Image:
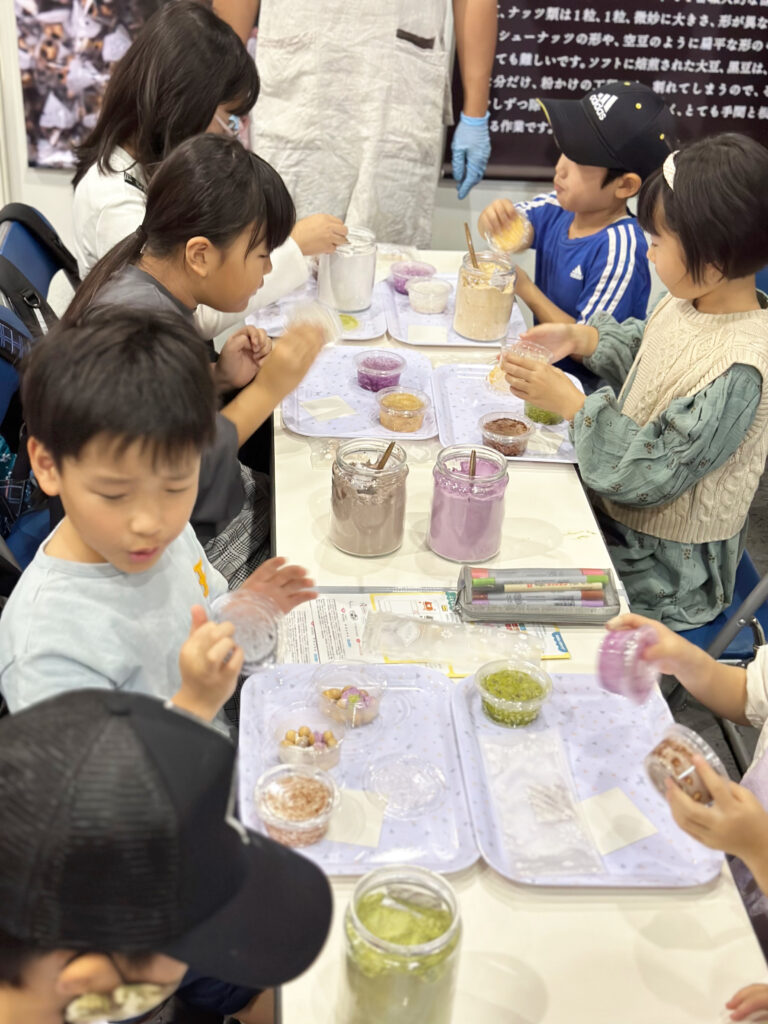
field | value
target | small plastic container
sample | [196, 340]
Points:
[348, 694]
[303, 736]
[318, 315]
[379, 369]
[402, 272]
[530, 350]
[428, 294]
[296, 803]
[402, 409]
[512, 692]
[620, 665]
[671, 758]
[505, 433]
[256, 619]
[515, 237]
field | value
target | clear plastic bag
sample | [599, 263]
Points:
[400, 638]
[534, 799]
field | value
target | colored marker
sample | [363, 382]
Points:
[536, 588]
[536, 600]
[538, 578]
[543, 595]
[513, 575]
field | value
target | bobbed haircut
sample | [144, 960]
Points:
[717, 206]
[183, 64]
[209, 186]
[128, 375]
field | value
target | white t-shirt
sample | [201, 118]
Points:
[108, 207]
[756, 709]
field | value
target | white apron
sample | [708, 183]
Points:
[351, 115]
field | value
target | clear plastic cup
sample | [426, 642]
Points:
[305, 737]
[379, 369]
[620, 664]
[515, 237]
[428, 295]
[507, 434]
[671, 758]
[402, 409]
[256, 619]
[348, 694]
[318, 315]
[296, 803]
[512, 692]
[530, 350]
[402, 272]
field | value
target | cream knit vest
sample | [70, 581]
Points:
[683, 351]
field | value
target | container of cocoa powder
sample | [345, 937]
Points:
[368, 504]
[296, 803]
[508, 435]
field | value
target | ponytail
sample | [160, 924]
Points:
[209, 186]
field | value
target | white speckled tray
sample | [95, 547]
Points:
[606, 738]
[364, 326]
[334, 374]
[462, 396]
[414, 721]
[400, 317]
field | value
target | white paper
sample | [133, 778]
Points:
[357, 820]
[331, 408]
[614, 820]
[426, 334]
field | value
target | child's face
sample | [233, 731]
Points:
[235, 276]
[666, 254]
[124, 508]
[579, 188]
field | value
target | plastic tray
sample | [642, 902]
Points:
[462, 396]
[400, 318]
[334, 374]
[370, 323]
[606, 738]
[414, 722]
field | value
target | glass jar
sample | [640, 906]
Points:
[484, 297]
[256, 619]
[467, 511]
[403, 932]
[345, 277]
[368, 504]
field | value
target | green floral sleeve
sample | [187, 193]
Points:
[616, 348]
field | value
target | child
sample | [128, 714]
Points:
[674, 456]
[186, 73]
[214, 214]
[736, 822]
[122, 867]
[590, 251]
[118, 411]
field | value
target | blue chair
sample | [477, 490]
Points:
[761, 280]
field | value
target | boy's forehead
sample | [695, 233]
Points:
[124, 456]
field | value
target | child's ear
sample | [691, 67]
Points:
[199, 256]
[627, 185]
[44, 467]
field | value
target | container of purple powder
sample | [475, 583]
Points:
[379, 369]
[401, 273]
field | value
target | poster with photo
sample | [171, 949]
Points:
[66, 50]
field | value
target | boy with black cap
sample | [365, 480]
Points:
[121, 866]
[590, 251]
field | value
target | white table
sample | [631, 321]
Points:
[528, 956]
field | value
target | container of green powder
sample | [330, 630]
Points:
[403, 931]
[512, 691]
[543, 416]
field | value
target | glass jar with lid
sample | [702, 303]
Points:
[403, 932]
[368, 504]
[484, 297]
[345, 277]
[467, 508]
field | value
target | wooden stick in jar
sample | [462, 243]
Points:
[383, 460]
[470, 246]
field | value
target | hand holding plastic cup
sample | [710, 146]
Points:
[318, 315]
[621, 667]
[256, 620]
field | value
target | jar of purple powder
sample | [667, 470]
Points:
[467, 508]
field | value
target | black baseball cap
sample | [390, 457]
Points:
[622, 124]
[117, 835]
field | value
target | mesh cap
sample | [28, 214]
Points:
[115, 835]
[620, 125]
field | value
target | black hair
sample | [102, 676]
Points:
[613, 173]
[717, 207]
[184, 63]
[209, 186]
[129, 374]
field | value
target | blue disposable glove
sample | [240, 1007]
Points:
[470, 148]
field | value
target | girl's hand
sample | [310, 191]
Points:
[736, 821]
[673, 655]
[542, 384]
[748, 1000]
[210, 662]
[286, 585]
[290, 359]
[319, 233]
[241, 357]
[496, 217]
[563, 339]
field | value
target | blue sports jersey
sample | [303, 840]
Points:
[605, 272]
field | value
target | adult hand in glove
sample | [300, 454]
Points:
[471, 148]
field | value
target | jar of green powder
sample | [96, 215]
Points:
[512, 691]
[402, 930]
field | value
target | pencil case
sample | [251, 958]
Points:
[531, 611]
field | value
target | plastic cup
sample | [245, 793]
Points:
[671, 758]
[348, 694]
[379, 369]
[512, 691]
[508, 435]
[402, 409]
[428, 294]
[620, 664]
[296, 803]
[318, 315]
[301, 733]
[256, 620]
[402, 272]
